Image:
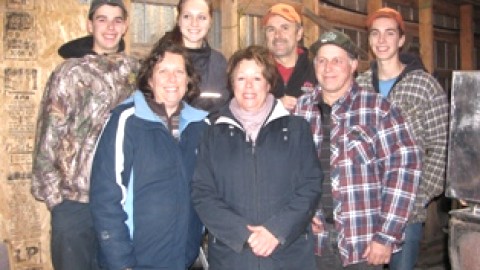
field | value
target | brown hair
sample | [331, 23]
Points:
[261, 56]
[156, 55]
[175, 34]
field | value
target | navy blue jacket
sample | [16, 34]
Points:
[273, 183]
[140, 189]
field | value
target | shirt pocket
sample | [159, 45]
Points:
[360, 148]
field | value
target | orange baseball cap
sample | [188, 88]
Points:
[284, 10]
[386, 12]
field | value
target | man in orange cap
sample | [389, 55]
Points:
[283, 32]
[402, 79]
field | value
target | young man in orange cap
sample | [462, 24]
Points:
[402, 79]
[283, 33]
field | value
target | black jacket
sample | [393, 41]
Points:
[274, 183]
[211, 66]
[303, 73]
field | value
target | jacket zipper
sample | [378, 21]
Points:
[255, 185]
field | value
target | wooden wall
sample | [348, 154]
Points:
[32, 31]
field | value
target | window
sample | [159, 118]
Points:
[360, 38]
[408, 13]
[251, 29]
[445, 21]
[353, 5]
[150, 22]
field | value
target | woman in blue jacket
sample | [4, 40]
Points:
[258, 178]
[140, 184]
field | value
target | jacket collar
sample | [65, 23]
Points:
[188, 114]
[226, 116]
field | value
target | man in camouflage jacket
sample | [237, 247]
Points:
[76, 103]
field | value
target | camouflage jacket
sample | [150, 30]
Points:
[76, 103]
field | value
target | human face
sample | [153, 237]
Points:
[169, 81]
[107, 27]
[282, 37]
[250, 87]
[334, 70]
[194, 22]
[384, 38]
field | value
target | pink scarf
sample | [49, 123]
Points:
[252, 121]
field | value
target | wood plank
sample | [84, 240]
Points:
[466, 37]
[127, 37]
[425, 28]
[310, 28]
[259, 8]
[230, 27]
[373, 5]
[343, 17]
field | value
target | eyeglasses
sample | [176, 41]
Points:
[334, 62]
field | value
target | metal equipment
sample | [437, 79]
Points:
[463, 170]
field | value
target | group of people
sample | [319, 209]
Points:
[287, 158]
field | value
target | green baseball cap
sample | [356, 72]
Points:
[337, 38]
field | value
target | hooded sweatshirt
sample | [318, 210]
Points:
[424, 104]
[80, 47]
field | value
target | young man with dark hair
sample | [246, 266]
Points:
[77, 100]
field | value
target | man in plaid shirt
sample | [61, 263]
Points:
[402, 79]
[371, 161]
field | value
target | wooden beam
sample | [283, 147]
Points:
[230, 27]
[310, 28]
[425, 29]
[259, 8]
[319, 21]
[128, 37]
[373, 5]
[339, 16]
[466, 37]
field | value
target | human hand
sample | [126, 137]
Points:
[289, 102]
[317, 225]
[377, 253]
[261, 241]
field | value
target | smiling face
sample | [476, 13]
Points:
[169, 81]
[194, 21]
[250, 87]
[107, 26]
[334, 70]
[282, 36]
[385, 39]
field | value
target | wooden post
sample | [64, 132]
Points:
[425, 30]
[128, 37]
[466, 37]
[230, 27]
[310, 29]
[372, 6]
